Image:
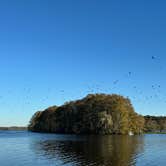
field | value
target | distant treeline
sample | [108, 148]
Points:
[155, 124]
[13, 128]
[94, 114]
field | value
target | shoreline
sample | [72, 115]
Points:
[13, 128]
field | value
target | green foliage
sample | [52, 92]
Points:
[94, 114]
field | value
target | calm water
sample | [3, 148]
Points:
[35, 149]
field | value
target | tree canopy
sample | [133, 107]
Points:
[94, 114]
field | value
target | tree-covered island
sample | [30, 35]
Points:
[94, 114]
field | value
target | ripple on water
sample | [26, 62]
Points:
[29, 149]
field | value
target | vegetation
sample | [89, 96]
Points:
[155, 124]
[94, 114]
[13, 128]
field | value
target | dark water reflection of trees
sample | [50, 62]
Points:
[93, 150]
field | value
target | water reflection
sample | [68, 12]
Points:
[92, 150]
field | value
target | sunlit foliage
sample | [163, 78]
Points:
[94, 114]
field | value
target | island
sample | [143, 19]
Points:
[94, 114]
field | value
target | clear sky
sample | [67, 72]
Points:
[52, 51]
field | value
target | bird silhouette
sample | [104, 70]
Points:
[115, 82]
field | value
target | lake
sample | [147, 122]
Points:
[22, 148]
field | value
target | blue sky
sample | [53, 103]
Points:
[55, 51]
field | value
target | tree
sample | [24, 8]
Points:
[94, 114]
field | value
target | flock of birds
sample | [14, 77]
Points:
[156, 88]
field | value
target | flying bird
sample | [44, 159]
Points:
[115, 82]
[153, 57]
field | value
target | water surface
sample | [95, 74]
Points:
[22, 148]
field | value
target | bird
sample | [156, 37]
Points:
[115, 82]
